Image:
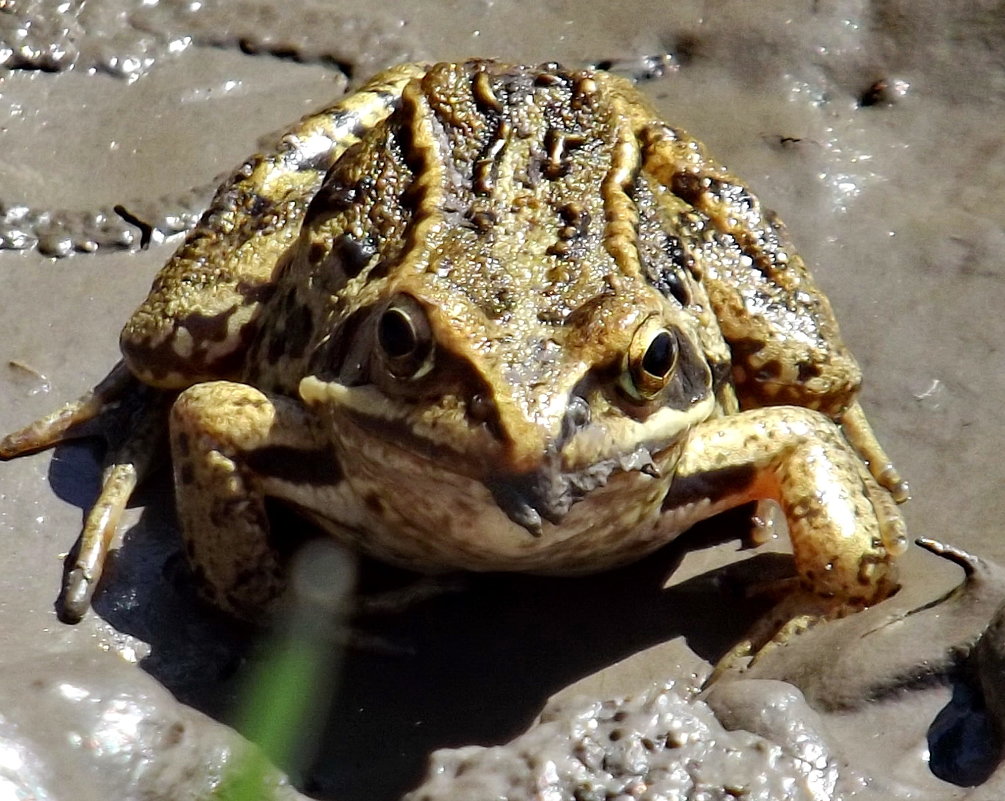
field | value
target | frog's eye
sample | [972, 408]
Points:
[404, 340]
[650, 361]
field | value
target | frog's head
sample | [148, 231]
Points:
[540, 412]
[507, 325]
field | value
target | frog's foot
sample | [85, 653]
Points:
[860, 434]
[402, 599]
[798, 611]
[130, 417]
[846, 531]
[126, 464]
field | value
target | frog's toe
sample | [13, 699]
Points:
[862, 438]
[99, 530]
[70, 420]
[894, 534]
[889, 521]
[128, 462]
[767, 522]
[797, 612]
[890, 479]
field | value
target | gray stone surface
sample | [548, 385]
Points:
[893, 193]
[91, 727]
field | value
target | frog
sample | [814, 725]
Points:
[478, 316]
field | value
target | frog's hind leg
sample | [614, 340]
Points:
[846, 531]
[130, 416]
[134, 449]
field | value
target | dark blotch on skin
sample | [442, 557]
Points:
[576, 217]
[552, 75]
[256, 292]
[316, 253]
[688, 186]
[744, 348]
[483, 220]
[277, 347]
[353, 255]
[769, 370]
[207, 327]
[380, 270]
[299, 326]
[411, 197]
[317, 467]
[807, 370]
[733, 195]
[260, 205]
[334, 197]
[668, 277]
[374, 504]
[722, 374]
[330, 361]
[410, 154]
[712, 485]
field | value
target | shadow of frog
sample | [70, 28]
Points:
[472, 666]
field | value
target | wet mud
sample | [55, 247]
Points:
[875, 130]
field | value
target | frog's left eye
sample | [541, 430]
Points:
[404, 339]
[650, 361]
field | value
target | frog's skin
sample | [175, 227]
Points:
[490, 317]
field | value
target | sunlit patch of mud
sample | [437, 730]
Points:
[126, 39]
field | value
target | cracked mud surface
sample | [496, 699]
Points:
[875, 130]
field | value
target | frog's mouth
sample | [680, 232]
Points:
[550, 492]
[528, 489]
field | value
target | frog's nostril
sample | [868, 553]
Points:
[577, 415]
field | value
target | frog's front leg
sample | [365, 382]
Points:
[231, 446]
[845, 530]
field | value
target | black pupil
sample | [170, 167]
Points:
[395, 334]
[658, 358]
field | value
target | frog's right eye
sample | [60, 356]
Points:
[404, 339]
[650, 361]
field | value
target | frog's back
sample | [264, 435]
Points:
[510, 197]
[499, 193]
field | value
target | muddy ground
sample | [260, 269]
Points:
[873, 128]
